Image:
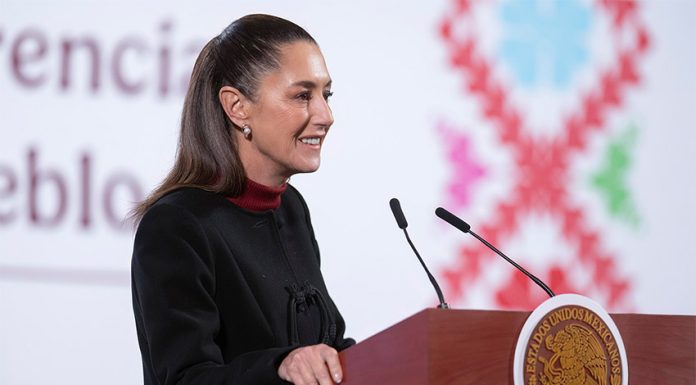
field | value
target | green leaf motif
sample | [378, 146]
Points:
[611, 179]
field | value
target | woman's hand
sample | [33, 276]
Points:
[311, 365]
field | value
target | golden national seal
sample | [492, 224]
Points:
[572, 345]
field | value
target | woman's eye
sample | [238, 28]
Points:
[307, 96]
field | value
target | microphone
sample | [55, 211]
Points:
[465, 228]
[398, 214]
[401, 221]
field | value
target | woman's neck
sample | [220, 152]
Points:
[258, 167]
[259, 197]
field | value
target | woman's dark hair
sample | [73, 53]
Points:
[207, 155]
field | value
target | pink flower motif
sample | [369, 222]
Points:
[467, 171]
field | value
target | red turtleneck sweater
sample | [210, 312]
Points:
[258, 197]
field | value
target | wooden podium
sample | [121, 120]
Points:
[467, 347]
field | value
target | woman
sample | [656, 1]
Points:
[226, 281]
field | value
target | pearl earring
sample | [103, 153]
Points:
[246, 131]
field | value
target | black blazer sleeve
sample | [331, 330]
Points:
[173, 281]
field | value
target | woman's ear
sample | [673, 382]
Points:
[235, 105]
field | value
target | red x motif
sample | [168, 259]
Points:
[542, 176]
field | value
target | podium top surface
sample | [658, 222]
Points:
[460, 347]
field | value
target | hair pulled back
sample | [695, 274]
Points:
[207, 154]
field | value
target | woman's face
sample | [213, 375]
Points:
[290, 117]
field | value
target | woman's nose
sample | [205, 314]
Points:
[322, 114]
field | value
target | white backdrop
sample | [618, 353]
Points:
[90, 96]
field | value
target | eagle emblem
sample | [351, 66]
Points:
[578, 358]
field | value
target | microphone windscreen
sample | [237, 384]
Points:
[452, 219]
[398, 214]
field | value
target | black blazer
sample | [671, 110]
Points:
[221, 294]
